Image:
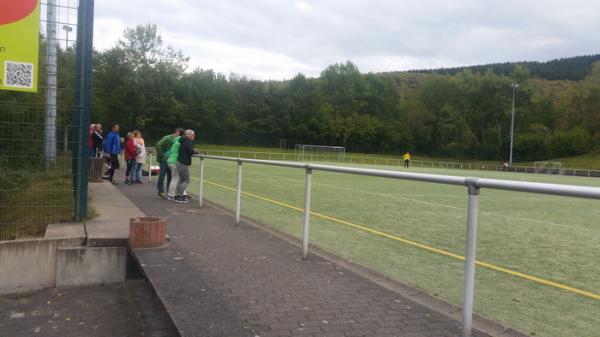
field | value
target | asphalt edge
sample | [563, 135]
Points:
[154, 290]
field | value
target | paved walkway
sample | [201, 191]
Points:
[110, 226]
[217, 279]
[125, 310]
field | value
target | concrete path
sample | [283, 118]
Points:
[216, 279]
[113, 210]
[126, 310]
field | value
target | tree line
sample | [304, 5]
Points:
[569, 68]
[143, 84]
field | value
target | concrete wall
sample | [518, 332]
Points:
[27, 265]
[79, 266]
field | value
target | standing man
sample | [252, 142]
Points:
[112, 148]
[184, 161]
[98, 140]
[406, 158]
[162, 147]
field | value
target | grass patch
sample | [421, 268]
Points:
[555, 238]
[590, 161]
[44, 199]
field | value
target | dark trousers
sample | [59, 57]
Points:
[129, 167]
[164, 171]
[406, 163]
[114, 165]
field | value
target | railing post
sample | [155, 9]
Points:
[238, 199]
[150, 168]
[201, 187]
[307, 195]
[472, 213]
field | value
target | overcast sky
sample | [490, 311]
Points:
[269, 39]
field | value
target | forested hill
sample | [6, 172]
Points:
[569, 68]
[462, 113]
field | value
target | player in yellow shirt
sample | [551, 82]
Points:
[406, 158]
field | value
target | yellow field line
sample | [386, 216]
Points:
[490, 266]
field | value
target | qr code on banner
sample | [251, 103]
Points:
[18, 74]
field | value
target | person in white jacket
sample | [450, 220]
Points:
[140, 157]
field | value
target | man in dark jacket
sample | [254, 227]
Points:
[112, 148]
[98, 140]
[184, 161]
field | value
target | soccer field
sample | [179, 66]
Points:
[555, 239]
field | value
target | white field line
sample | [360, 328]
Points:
[428, 203]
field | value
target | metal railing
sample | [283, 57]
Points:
[371, 160]
[472, 184]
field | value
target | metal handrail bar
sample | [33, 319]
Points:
[473, 185]
[511, 185]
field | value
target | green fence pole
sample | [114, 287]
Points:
[83, 98]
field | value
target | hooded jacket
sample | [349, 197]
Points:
[186, 151]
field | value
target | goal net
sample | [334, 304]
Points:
[549, 167]
[306, 152]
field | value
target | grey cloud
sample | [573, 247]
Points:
[316, 33]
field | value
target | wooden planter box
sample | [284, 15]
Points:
[147, 232]
[96, 168]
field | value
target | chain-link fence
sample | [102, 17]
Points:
[42, 143]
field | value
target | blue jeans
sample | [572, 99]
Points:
[164, 171]
[136, 172]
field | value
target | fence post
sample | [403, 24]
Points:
[307, 195]
[472, 213]
[150, 168]
[201, 187]
[82, 102]
[238, 199]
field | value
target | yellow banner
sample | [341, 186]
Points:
[19, 44]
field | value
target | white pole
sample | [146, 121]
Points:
[472, 212]
[150, 168]
[51, 52]
[201, 187]
[238, 200]
[307, 196]
[512, 124]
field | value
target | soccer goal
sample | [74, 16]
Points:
[306, 152]
[549, 167]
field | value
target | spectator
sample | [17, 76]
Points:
[129, 156]
[135, 175]
[184, 160]
[162, 149]
[172, 155]
[112, 148]
[91, 153]
[98, 140]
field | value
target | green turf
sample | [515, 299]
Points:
[590, 161]
[555, 238]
